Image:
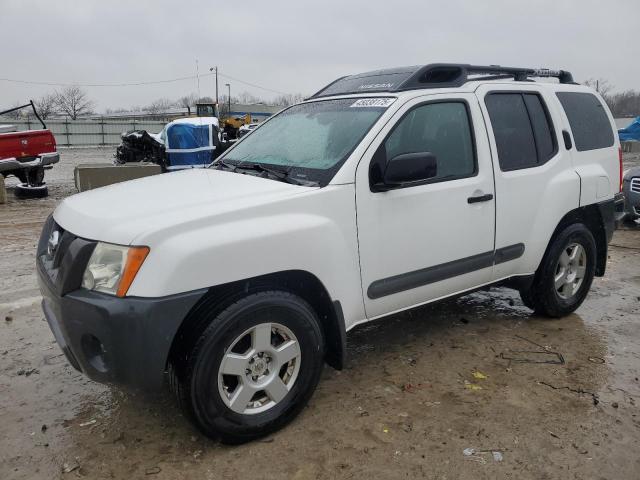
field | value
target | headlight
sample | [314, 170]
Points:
[112, 268]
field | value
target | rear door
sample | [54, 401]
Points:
[423, 242]
[536, 184]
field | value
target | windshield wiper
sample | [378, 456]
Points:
[278, 174]
[222, 163]
[257, 167]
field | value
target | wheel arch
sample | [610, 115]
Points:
[591, 216]
[299, 282]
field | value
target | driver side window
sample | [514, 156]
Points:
[443, 129]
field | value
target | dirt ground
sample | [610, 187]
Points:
[468, 389]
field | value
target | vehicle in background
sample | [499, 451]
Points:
[232, 125]
[26, 155]
[228, 124]
[139, 146]
[192, 142]
[631, 189]
[245, 129]
[382, 192]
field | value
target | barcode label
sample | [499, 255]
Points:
[373, 102]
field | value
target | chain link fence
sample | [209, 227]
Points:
[85, 133]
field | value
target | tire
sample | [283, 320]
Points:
[245, 339]
[24, 190]
[527, 298]
[570, 258]
[35, 176]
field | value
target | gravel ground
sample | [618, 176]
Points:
[554, 399]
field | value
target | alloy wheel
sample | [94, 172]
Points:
[259, 368]
[570, 270]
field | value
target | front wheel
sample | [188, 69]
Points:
[254, 367]
[565, 274]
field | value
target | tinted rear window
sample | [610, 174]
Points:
[589, 122]
[544, 137]
[522, 129]
[512, 131]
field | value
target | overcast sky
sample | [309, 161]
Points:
[298, 46]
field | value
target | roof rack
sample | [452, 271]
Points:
[434, 75]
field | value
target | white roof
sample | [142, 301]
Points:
[197, 121]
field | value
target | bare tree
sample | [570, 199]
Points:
[73, 102]
[286, 100]
[248, 99]
[159, 106]
[624, 104]
[46, 105]
[223, 107]
[187, 101]
[600, 85]
[16, 114]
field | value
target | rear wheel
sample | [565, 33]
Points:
[253, 368]
[565, 274]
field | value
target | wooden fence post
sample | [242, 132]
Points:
[66, 128]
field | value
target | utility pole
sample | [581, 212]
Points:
[198, 76]
[229, 87]
[215, 69]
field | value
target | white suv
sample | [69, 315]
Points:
[381, 192]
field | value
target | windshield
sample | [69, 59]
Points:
[310, 141]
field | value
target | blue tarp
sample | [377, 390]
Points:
[194, 140]
[632, 132]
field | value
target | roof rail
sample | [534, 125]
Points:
[434, 75]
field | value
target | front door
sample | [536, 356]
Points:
[427, 241]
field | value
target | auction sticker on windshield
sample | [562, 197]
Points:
[373, 102]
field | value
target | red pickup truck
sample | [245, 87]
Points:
[26, 154]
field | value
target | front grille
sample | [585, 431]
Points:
[53, 246]
[63, 256]
[635, 184]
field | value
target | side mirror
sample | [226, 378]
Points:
[409, 169]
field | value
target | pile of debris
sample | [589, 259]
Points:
[139, 146]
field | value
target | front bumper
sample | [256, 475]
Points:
[123, 341]
[632, 203]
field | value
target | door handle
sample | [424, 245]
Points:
[480, 198]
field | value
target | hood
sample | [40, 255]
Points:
[125, 212]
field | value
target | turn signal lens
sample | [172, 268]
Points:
[135, 258]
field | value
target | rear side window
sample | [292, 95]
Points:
[522, 129]
[589, 121]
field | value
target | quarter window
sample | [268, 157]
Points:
[443, 129]
[522, 129]
[589, 121]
